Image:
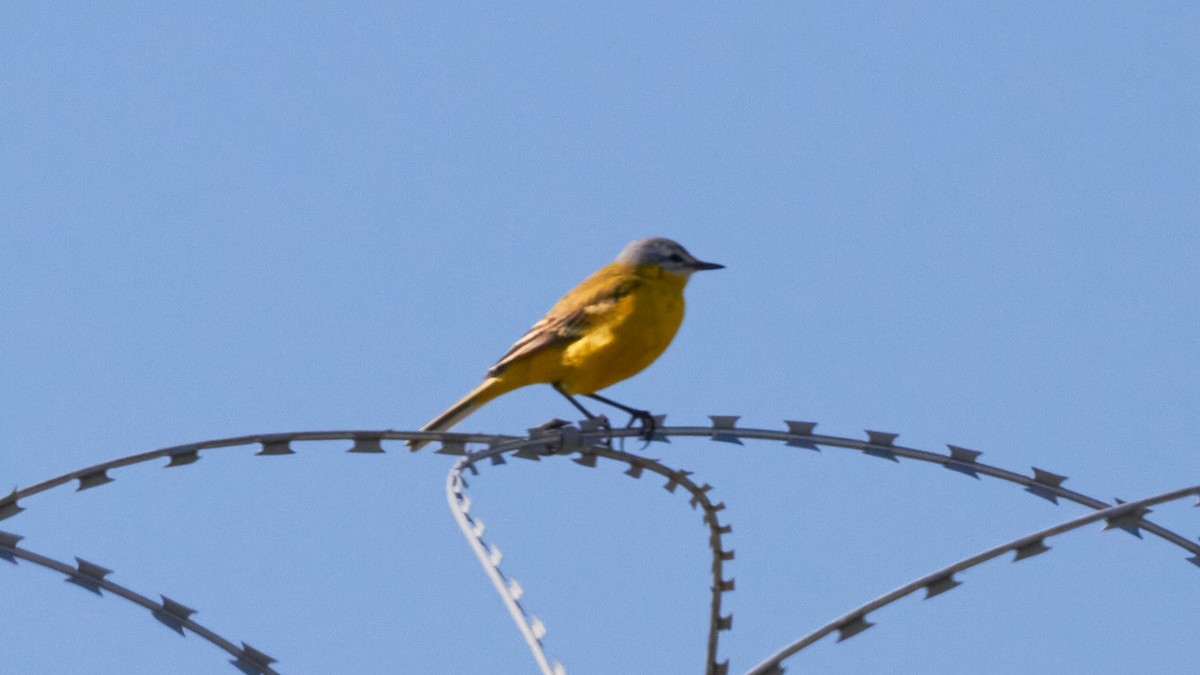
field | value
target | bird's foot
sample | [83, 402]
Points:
[648, 425]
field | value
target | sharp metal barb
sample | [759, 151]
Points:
[941, 585]
[801, 434]
[9, 541]
[1129, 521]
[93, 479]
[276, 446]
[183, 458]
[881, 438]
[853, 627]
[963, 455]
[881, 453]
[1045, 485]
[173, 615]
[367, 444]
[9, 507]
[88, 575]
[660, 422]
[514, 590]
[251, 661]
[962, 459]
[1031, 549]
[532, 453]
[597, 423]
[723, 425]
[879, 443]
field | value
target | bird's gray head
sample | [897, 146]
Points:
[666, 254]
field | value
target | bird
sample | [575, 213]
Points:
[610, 327]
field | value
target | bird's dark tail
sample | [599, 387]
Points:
[490, 389]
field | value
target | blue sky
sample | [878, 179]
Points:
[965, 223]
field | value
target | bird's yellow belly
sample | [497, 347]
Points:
[624, 344]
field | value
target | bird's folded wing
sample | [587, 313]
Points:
[571, 317]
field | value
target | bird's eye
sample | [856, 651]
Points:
[675, 257]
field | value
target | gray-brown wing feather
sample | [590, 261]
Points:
[556, 328]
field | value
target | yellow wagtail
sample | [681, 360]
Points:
[608, 328]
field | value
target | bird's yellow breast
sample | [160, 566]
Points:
[627, 335]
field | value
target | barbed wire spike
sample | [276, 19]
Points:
[853, 627]
[9, 541]
[538, 628]
[1129, 521]
[961, 459]
[723, 424]
[1045, 479]
[660, 422]
[276, 446]
[9, 506]
[367, 444]
[173, 615]
[183, 458]
[252, 662]
[88, 575]
[93, 479]
[1036, 547]
[801, 433]
[453, 448]
[878, 443]
[941, 585]
[695, 500]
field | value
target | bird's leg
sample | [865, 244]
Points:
[602, 422]
[642, 416]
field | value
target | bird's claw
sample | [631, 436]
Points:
[648, 425]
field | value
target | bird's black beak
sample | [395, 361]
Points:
[700, 265]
